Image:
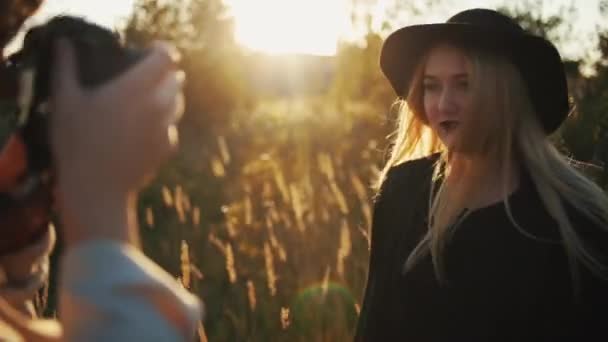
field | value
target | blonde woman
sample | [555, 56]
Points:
[482, 231]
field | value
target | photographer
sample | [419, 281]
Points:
[106, 143]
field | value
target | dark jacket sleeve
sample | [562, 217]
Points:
[403, 183]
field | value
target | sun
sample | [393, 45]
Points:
[290, 26]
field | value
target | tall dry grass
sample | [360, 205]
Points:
[288, 260]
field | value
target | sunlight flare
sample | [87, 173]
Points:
[290, 26]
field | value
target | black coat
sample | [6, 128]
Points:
[501, 285]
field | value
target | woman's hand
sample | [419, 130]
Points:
[109, 140]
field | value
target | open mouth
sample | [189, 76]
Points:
[448, 125]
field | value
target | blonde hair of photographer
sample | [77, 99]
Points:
[505, 131]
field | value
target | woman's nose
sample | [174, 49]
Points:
[447, 102]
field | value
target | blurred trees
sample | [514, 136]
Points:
[357, 75]
[203, 33]
[178, 210]
[584, 135]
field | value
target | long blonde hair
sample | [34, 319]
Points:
[504, 128]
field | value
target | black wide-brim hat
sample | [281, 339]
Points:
[536, 58]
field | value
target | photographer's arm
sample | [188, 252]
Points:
[107, 142]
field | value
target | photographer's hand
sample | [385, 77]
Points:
[109, 140]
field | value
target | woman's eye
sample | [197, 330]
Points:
[430, 86]
[463, 84]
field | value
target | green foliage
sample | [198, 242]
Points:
[587, 132]
[358, 76]
[203, 33]
[584, 135]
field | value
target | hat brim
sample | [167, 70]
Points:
[537, 59]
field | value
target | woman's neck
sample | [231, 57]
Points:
[488, 178]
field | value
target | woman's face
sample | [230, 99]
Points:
[446, 91]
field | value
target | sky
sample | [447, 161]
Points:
[306, 26]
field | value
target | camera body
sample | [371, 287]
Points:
[100, 56]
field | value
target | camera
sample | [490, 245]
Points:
[24, 112]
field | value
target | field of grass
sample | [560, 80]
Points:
[286, 258]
